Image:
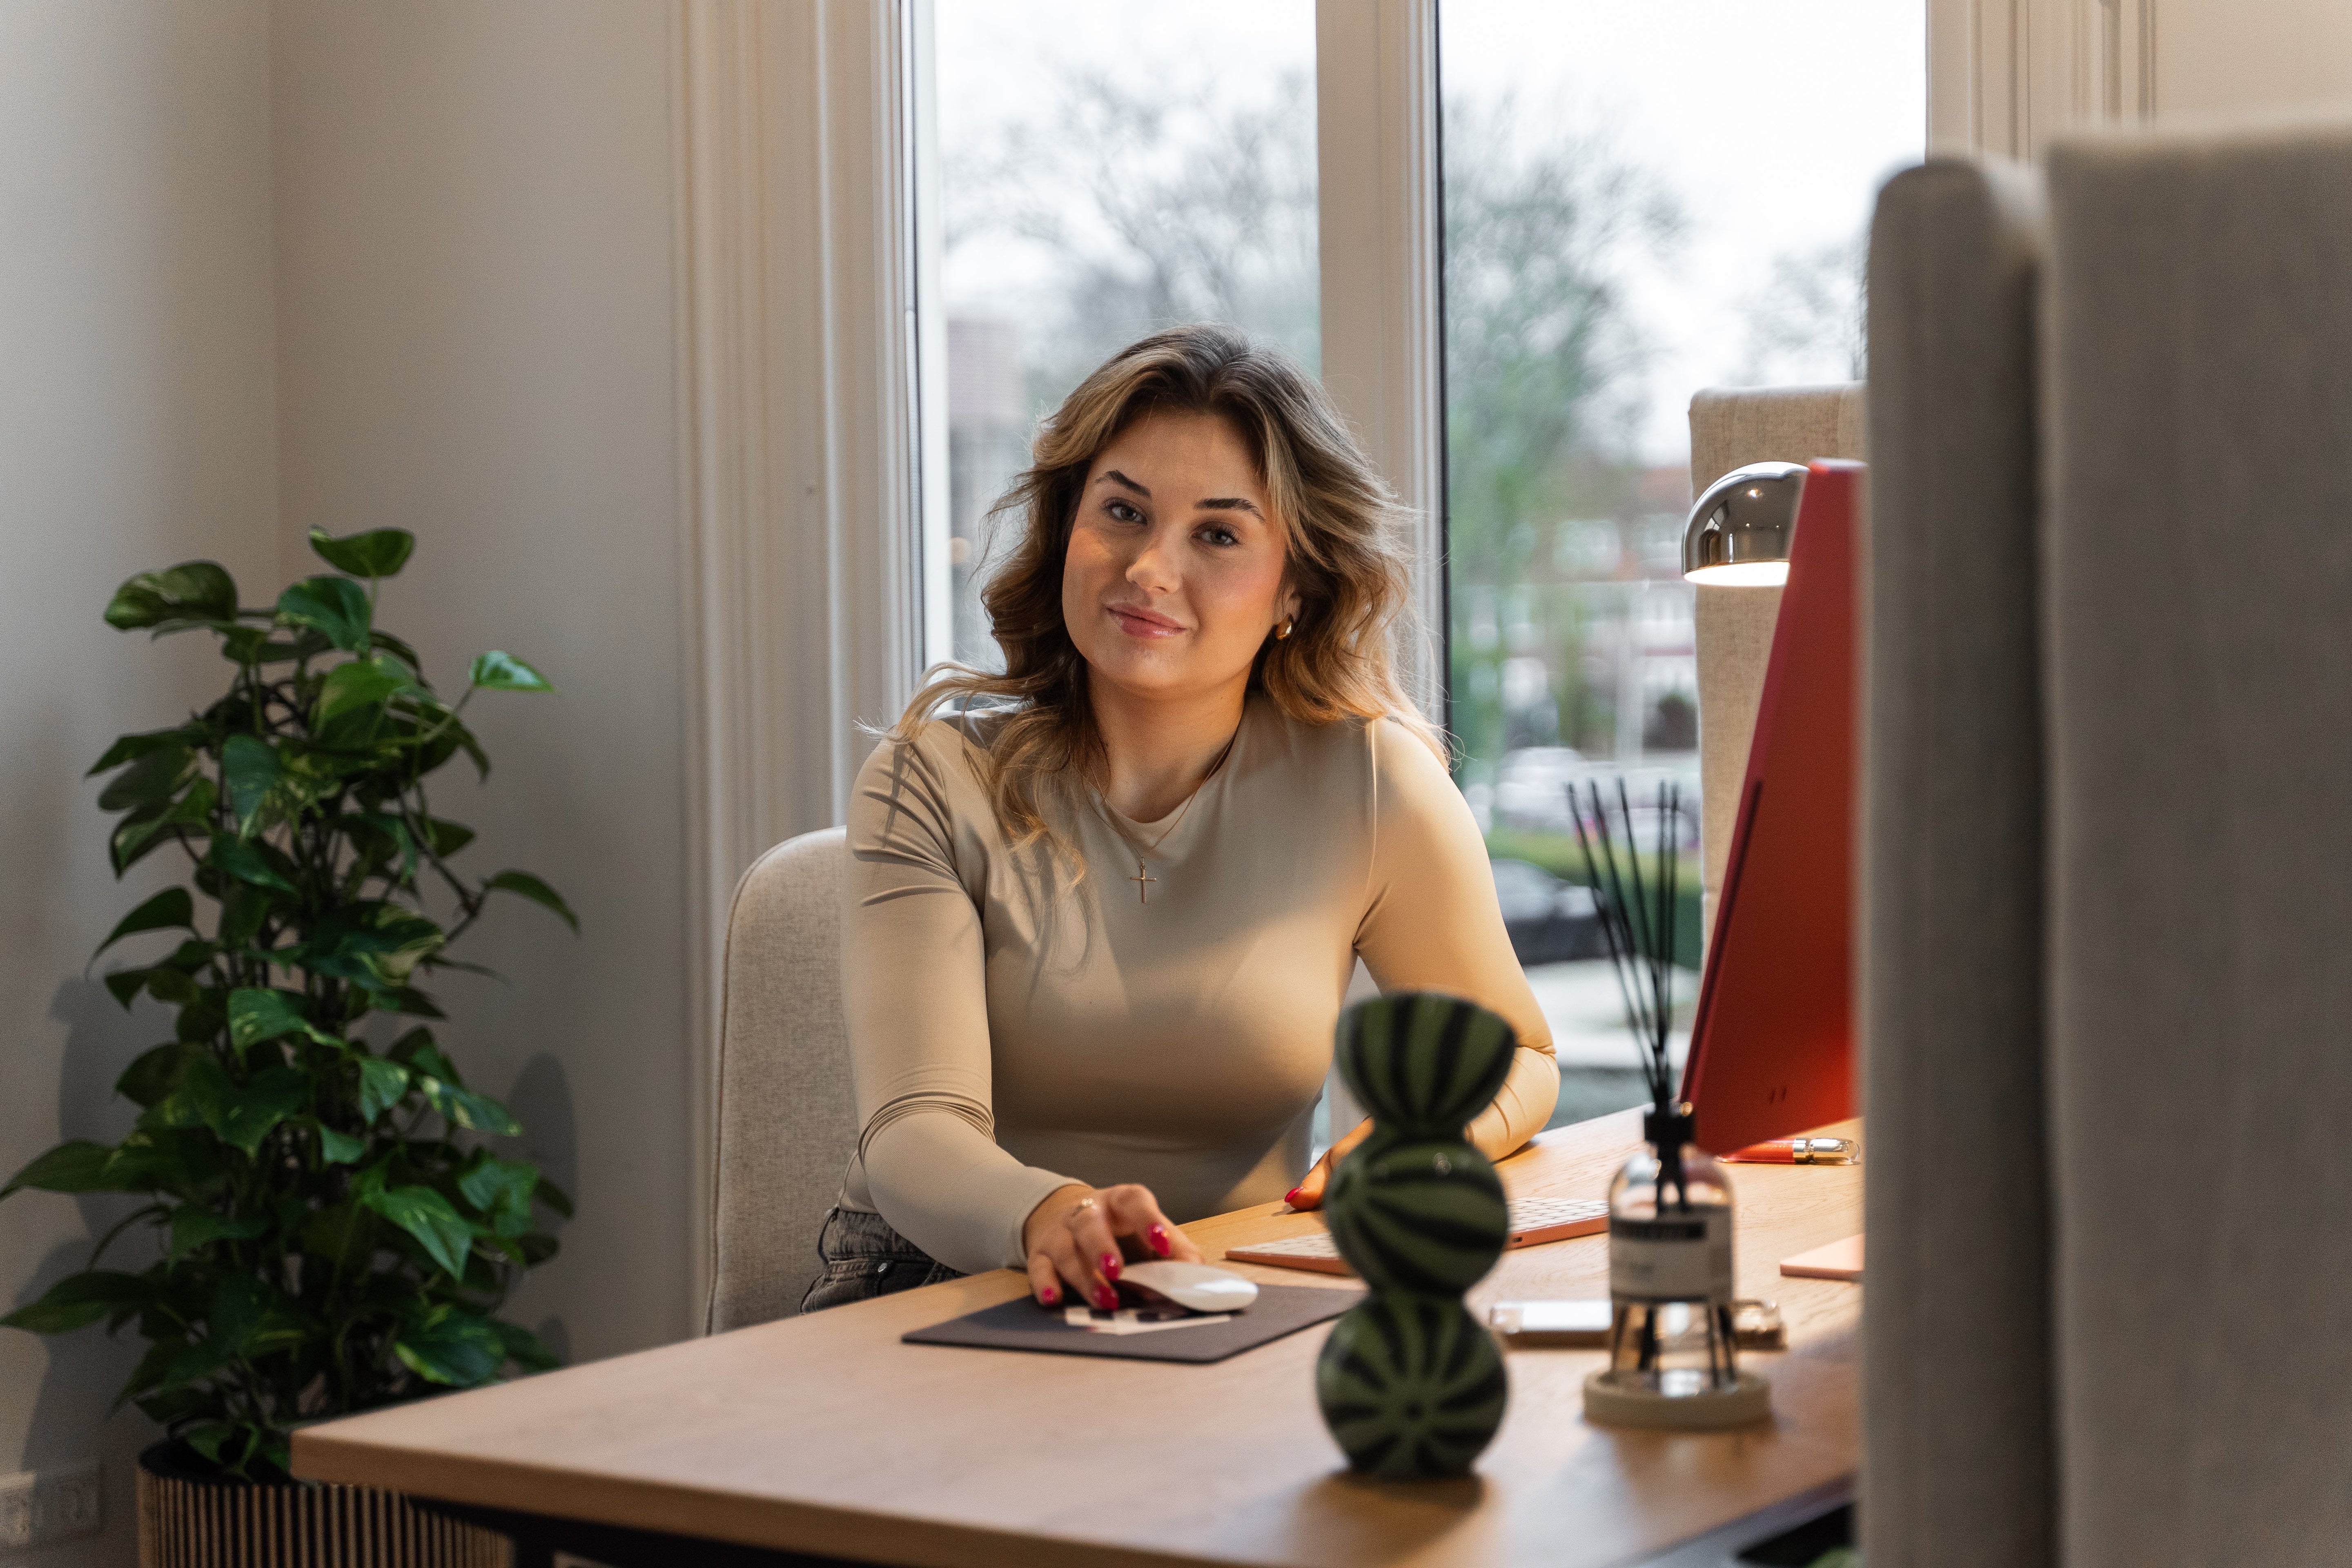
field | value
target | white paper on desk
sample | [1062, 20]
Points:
[1130, 1321]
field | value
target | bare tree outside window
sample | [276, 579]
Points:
[1546, 370]
[1805, 322]
[1108, 171]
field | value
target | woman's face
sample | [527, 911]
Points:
[1174, 571]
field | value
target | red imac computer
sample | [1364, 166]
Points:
[1771, 1047]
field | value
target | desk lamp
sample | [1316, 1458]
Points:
[1738, 533]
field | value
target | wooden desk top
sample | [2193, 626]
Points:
[825, 1434]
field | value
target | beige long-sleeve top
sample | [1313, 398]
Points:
[1014, 1028]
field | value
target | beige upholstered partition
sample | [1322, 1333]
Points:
[1729, 429]
[2198, 606]
[787, 1116]
[1960, 1467]
[2107, 863]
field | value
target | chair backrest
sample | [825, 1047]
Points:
[787, 1113]
[1731, 427]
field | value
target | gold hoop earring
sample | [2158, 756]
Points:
[1282, 631]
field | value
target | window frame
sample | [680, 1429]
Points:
[812, 391]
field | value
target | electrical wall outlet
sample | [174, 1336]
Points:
[37, 1507]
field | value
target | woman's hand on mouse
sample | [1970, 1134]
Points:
[1077, 1239]
[1309, 1194]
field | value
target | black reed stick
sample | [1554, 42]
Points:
[1636, 907]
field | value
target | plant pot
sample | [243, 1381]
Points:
[190, 1516]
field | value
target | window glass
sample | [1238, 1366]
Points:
[1103, 172]
[1640, 201]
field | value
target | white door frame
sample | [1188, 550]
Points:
[2004, 76]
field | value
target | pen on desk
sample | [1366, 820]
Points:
[1799, 1151]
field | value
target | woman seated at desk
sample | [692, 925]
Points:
[1059, 1060]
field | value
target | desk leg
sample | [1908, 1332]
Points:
[542, 1541]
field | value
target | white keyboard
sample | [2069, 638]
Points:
[1533, 1222]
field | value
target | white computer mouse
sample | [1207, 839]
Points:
[1195, 1287]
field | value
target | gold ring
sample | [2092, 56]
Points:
[1084, 1204]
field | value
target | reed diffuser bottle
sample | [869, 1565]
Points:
[1673, 1360]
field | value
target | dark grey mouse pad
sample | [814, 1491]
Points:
[1023, 1325]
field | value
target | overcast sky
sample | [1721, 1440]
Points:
[1774, 121]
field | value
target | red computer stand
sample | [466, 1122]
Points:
[1771, 1050]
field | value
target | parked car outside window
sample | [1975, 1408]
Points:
[1549, 920]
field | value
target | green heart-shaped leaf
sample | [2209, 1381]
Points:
[372, 944]
[192, 1228]
[501, 1189]
[80, 1299]
[378, 553]
[76, 1167]
[555, 1197]
[156, 1073]
[159, 1159]
[537, 891]
[157, 776]
[256, 1015]
[447, 1344]
[193, 591]
[464, 1108]
[340, 1148]
[238, 1305]
[130, 748]
[447, 837]
[497, 671]
[523, 1347]
[425, 1214]
[170, 910]
[363, 683]
[250, 769]
[251, 861]
[382, 1085]
[334, 607]
[138, 835]
[240, 1115]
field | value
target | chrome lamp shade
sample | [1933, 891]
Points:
[1739, 531]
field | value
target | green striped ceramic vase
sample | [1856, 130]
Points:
[1409, 1384]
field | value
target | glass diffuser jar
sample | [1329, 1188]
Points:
[1673, 1360]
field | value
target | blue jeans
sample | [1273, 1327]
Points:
[863, 1258]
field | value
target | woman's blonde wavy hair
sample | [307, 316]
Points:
[1347, 562]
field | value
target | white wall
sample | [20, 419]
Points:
[474, 342]
[407, 262]
[2227, 54]
[135, 432]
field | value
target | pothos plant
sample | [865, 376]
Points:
[334, 1231]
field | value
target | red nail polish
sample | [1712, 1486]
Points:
[1110, 1266]
[1159, 1235]
[1291, 1198]
[1106, 1298]
[1049, 1296]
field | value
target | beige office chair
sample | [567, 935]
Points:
[1731, 427]
[787, 1114]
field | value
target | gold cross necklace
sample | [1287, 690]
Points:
[1143, 878]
